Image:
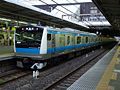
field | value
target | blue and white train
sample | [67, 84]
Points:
[45, 45]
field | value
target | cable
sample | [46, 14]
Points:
[55, 8]
[58, 9]
[71, 12]
[70, 2]
[93, 15]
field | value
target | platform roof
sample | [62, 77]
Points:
[111, 10]
[12, 9]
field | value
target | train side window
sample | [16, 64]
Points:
[68, 40]
[86, 39]
[89, 39]
[78, 40]
[48, 37]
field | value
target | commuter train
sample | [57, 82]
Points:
[44, 45]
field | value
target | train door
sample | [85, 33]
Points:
[67, 40]
[73, 41]
[53, 42]
[60, 42]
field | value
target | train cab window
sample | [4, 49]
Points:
[78, 40]
[48, 37]
[28, 36]
[68, 40]
[86, 39]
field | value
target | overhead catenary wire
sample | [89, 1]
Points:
[73, 13]
[55, 8]
[60, 10]
[69, 11]
[87, 23]
[74, 5]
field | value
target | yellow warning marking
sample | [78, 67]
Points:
[103, 84]
[118, 61]
[114, 76]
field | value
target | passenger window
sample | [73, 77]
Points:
[68, 40]
[86, 39]
[48, 37]
[78, 40]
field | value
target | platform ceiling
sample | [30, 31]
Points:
[111, 10]
[19, 12]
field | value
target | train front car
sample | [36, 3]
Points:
[30, 42]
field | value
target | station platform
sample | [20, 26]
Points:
[104, 75]
[6, 52]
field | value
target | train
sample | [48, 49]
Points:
[46, 45]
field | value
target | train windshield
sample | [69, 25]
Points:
[28, 38]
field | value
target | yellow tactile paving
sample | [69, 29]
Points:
[114, 76]
[103, 84]
[118, 61]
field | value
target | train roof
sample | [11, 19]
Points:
[63, 30]
[26, 26]
[70, 30]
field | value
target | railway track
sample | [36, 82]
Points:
[13, 75]
[68, 79]
[7, 65]
[56, 78]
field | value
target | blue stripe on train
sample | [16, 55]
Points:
[57, 32]
[52, 50]
[60, 49]
[28, 50]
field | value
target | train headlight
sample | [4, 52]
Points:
[18, 42]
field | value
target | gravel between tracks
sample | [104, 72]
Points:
[7, 66]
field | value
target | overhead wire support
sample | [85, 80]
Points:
[71, 12]
[55, 8]
[65, 12]
[59, 9]
[92, 15]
